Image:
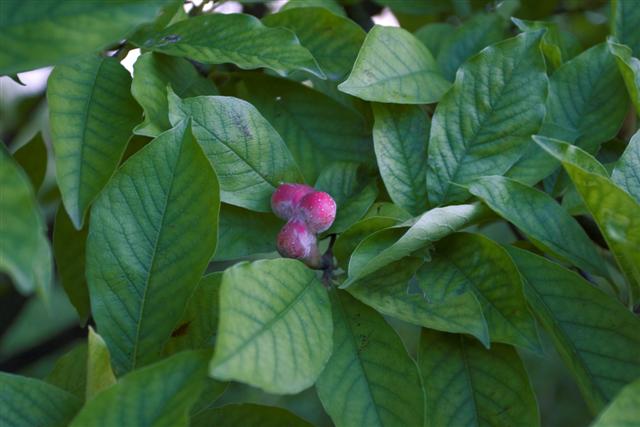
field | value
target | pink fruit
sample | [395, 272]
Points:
[295, 240]
[286, 199]
[318, 209]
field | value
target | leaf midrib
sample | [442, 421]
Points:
[83, 145]
[153, 257]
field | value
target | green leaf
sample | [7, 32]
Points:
[400, 137]
[153, 230]
[434, 35]
[249, 156]
[157, 395]
[316, 28]
[482, 126]
[99, 373]
[624, 410]
[36, 34]
[627, 171]
[597, 338]
[70, 371]
[389, 210]
[586, 105]
[395, 67]
[468, 39]
[243, 233]
[629, 67]
[212, 391]
[558, 46]
[349, 239]
[247, 415]
[471, 262]
[275, 326]
[27, 402]
[332, 5]
[26, 255]
[152, 73]
[353, 193]
[389, 292]
[236, 38]
[467, 384]
[33, 158]
[541, 218]
[613, 209]
[370, 379]
[392, 244]
[69, 248]
[197, 327]
[300, 115]
[92, 114]
[625, 20]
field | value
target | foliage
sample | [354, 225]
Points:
[483, 267]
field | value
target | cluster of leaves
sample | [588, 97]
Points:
[164, 239]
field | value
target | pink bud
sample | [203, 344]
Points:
[295, 240]
[318, 210]
[286, 199]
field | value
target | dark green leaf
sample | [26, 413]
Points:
[332, 5]
[586, 105]
[247, 415]
[597, 338]
[558, 46]
[153, 230]
[627, 171]
[34, 34]
[33, 158]
[349, 239]
[302, 116]
[26, 255]
[27, 402]
[614, 210]
[243, 233]
[392, 244]
[466, 262]
[630, 69]
[92, 114]
[388, 291]
[152, 73]
[70, 371]
[249, 156]
[469, 385]
[400, 136]
[69, 247]
[236, 38]
[433, 36]
[197, 327]
[333, 41]
[275, 326]
[482, 126]
[353, 193]
[625, 21]
[157, 395]
[468, 39]
[543, 220]
[369, 379]
[393, 66]
[624, 410]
